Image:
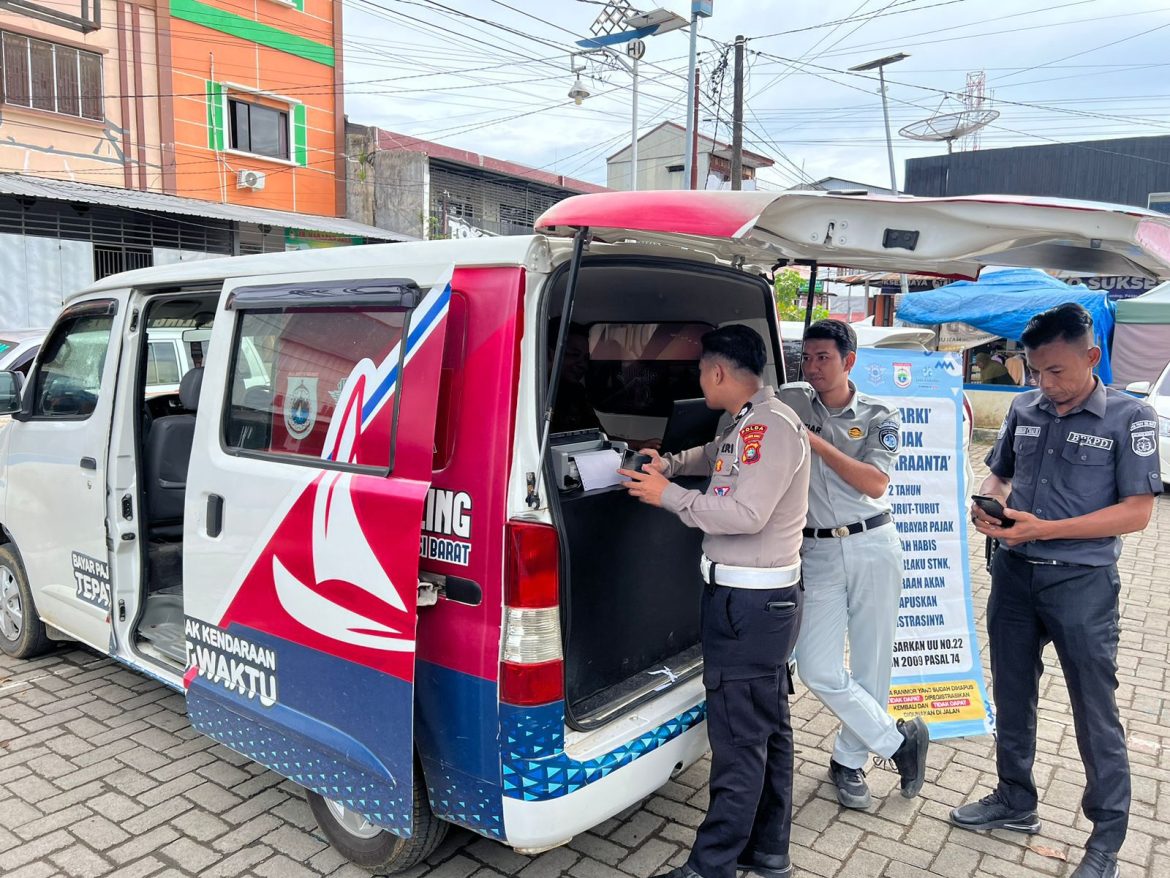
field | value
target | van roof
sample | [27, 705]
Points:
[422, 261]
[952, 237]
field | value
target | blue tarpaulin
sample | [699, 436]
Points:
[1002, 302]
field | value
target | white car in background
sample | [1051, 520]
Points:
[18, 348]
[1158, 395]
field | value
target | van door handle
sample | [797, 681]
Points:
[214, 515]
[88, 463]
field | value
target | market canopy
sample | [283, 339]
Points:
[1002, 303]
[1141, 341]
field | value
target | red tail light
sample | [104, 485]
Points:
[533, 561]
[532, 684]
[532, 671]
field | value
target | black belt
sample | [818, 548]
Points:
[1041, 562]
[824, 533]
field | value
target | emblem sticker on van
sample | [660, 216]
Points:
[92, 578]
[446, 514]
[300, 406]
[225, 660]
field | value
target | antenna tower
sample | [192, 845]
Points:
[973, 99]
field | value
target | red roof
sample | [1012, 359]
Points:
[392, 141]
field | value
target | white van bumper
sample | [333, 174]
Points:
[539, 825]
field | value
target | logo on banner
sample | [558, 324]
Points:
[950, 365]
[903, 376]
[877, 375]
[300, 406]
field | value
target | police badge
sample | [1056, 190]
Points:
[1143, 443]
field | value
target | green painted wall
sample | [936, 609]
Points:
[257, 32]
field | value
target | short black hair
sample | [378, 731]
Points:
[739, 345]
[836, 331]
[1069, 322]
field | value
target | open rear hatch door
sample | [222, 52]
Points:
[952, 237]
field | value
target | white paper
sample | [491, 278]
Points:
[598, 469]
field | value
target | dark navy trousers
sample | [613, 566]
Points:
[1076, 609]
[748, 636]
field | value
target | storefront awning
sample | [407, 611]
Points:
[28, 186]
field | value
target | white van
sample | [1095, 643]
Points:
[350, 538]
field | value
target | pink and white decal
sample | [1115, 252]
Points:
[338, 568]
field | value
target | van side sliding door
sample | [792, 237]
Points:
[56, 507]
[310, 468]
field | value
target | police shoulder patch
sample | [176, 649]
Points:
[1143, 442]
[888, 435]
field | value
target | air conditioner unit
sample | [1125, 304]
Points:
[250, 180]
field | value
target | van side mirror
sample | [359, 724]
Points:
[1138, 388]
[11, 384]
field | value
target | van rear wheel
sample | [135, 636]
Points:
[371, 846]
[22, 633]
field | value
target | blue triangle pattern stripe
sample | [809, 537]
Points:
[387, 806]
[529, 733]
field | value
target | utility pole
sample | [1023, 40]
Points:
[693, 142]
[737, 119]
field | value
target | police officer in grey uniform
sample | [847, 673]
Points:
[752, 514]
[1080, 463]
[852, 564]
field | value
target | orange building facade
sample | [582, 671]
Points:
[230, 101]
[256, 104]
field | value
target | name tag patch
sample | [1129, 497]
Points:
[1088, 440]
[1028, 431]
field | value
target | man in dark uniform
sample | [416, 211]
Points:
[752, 513]
[1080, 463]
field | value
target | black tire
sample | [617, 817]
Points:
[22, 633]
[385, 852]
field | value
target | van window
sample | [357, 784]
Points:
[289, 369]
[68, 377]
[642, 368]
[162, 363]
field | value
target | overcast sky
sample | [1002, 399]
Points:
[493, 76]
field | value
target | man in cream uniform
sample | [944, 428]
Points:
[751, 515]
[852, 564]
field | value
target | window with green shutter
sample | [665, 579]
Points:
[300, 136]
[248, 122]
[215, 139]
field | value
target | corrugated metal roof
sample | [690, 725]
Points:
[132, 199]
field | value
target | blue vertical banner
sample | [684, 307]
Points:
[937, 674]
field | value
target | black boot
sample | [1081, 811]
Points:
[911, 756]
[767, 865]
[1097, 864]
[992, 812]
[852, 790]
[683, 871]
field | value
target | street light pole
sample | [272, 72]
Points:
[699, 8]
[634, 134]
[889, 139]
[880, 65]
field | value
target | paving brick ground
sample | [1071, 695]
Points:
[100, 774]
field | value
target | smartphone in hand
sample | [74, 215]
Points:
[992, 507]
